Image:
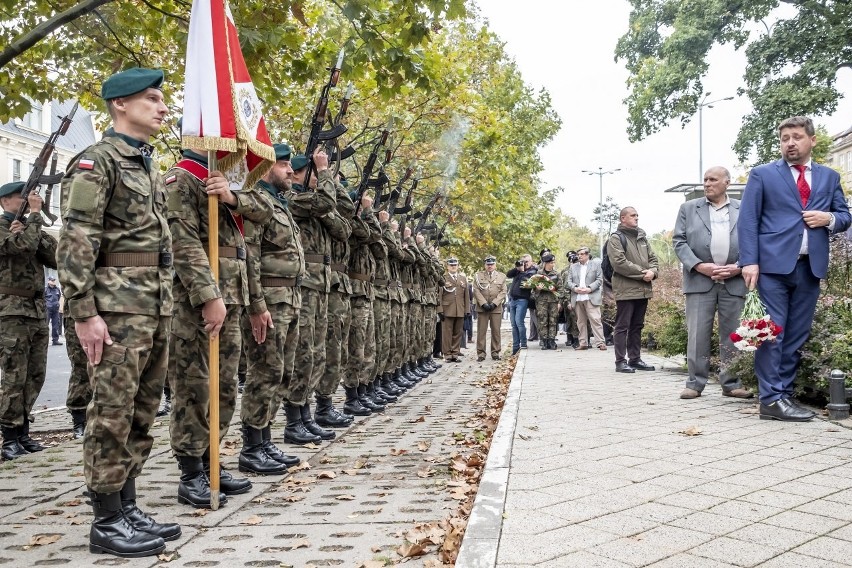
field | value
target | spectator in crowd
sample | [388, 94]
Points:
[53, 303]
[519, 298]
[585, 285]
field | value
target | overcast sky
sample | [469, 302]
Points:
[567, 47]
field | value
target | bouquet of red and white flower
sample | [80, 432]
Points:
[540, 282]
[756, 325]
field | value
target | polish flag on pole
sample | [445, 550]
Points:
[221, 110]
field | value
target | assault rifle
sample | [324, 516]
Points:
[368, 169]
[335, 154]
[404, 211]
[318, 135]
[397, 191]
[37, 176]
[424, 216]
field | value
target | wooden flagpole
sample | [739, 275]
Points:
[213, 412]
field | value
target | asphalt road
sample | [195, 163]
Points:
[56, 383]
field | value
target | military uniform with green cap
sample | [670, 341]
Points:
[194, 287]
[489, 295]
[115, 268]
[308, 206]
[276, 267]
[455, 304]
[24, 252]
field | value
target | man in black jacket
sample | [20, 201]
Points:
[519, 299]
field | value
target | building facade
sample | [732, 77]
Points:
[840, 156]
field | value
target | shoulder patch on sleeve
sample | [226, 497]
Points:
[85, 164]
[171, 179]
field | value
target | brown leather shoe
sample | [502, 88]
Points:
[689, 393]
[481, 358]
[582, 347]
[738, 393]
[602, 346]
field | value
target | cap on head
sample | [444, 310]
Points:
[282, 151]
[131, 82]
[490, 260]
[452, 261]
[11, 187]
[298, 162]
[543, 252]
[52, 278]
[547, 257]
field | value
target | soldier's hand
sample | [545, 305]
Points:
[366, 202]
[260, 323]
[217, 185]
[213, 313]
[35, 202]
[407, 232]
[419, 239]
[17, 227]
[384, 216]
[320, 159]
[93, 333]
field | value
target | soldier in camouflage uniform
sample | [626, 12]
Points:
[432, 273]
[24, 252]
[313, 209]
[411, 279]
[382, 290]
[79, 389]
[366, 232]
[271, 324]
[114, 257]
[205, 308]
[339, 227]
[547, 303]
[571, 329]
[399, 256]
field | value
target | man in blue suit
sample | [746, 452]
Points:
[789, 209]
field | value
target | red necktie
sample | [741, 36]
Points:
[802, 184]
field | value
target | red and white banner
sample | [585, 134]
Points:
[221, 108]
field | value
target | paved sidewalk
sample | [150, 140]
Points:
[601, 471]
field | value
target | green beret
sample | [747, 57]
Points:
[282, 151]
[298, 162]
[11, 187]
[131, 82]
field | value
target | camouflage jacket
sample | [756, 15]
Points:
[379, 249]
[399, 255]
[113, 203]
[189, 222]
[544, 295]
[362, 265]
[307, 206]
[275, 251]
[23, 257]
[339, 228]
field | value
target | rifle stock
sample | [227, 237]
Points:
[368, 169]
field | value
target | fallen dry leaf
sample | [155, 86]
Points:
[72, 503]
[326, 475]
[166, 557]
[398, 452]
[424, 473]
[691, 431]
[418, 419]
[311, 446]
[410, 550]
[42, 539]
[376, 549]
[293, 498]
[345, 497]
[424, 446]
[200, 512]
[304, 466]
[228, 451]
[359, 464]
[304, 543]
[253, 520]
[350, 471]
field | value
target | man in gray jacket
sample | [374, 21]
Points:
[705, 241]
[584, 281]
[634, 267]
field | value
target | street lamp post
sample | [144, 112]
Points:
[701, 105]
[600, 173]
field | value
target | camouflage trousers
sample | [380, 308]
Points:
[548, 315]
[382, 320]
[336, 342]
[269, 369]
[310, 353]
[189, 377]
[23, 362]
[398, 334]
[79, 388]
[414, 350]
[430, 329]
[126, 389]
[362, 343]
[571, 321]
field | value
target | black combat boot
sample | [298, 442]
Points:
[113, 533]
[312, 427]
[273, 451]
[253, 457]
[400, 380]
[569, 340]
[353, 405]
[367, 401]
[327, 415]
[241, 382]
[166, 405]
[381, 393]
[435, 363]
[295, 431]
[424, 366]
[142, 521]
[416, 370]
[228, 484]
[389, 386]
[78, 423]
[194, 487]
[373, 395]
[12, 448]
[408, 373]
[24, 438]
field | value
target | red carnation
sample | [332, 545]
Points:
[736, 337]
